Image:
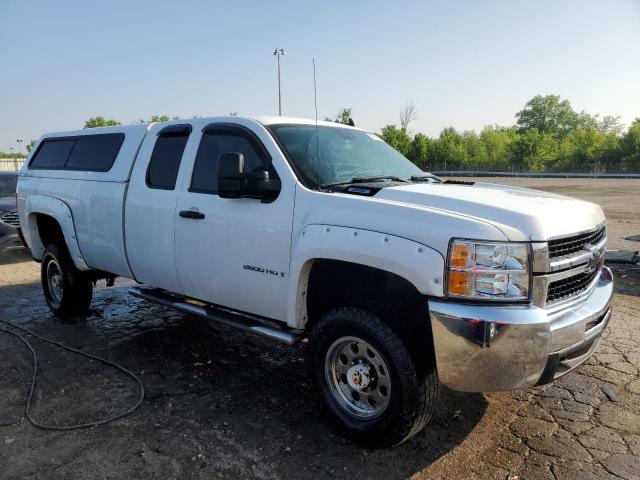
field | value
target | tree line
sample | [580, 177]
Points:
[93, 122]
[549, 136]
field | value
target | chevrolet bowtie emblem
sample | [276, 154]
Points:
[596, 254]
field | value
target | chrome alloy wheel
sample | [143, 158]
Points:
[55, 282]
[358, 377]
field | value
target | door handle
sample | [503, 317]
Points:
[191, 214]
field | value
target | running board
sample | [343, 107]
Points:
[224, 316]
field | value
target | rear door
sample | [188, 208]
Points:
[235, 252]
[150, 212]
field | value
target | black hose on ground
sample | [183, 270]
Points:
[34, 378]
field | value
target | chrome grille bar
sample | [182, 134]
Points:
[562, 280]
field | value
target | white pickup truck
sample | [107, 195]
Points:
[296, 230]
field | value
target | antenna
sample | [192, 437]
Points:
[315, 102]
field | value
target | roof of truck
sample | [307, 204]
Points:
[274, 120]
[263, 119]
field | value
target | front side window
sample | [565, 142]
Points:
[324, 155]
[165, 159]
[212, 145]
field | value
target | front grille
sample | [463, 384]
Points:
[569, 245]
[570, 286]
[10, 218]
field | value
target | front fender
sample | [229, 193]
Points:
[417, 263]
[55, 208]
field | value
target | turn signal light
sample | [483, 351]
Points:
[459, 284]
[461, 254]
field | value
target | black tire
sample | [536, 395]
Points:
[73, 298]
[413, 390]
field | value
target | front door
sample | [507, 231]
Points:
[234, 252]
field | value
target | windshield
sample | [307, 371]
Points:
[344, 154]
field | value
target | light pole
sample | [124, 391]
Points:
[277, 52]
[20, 151]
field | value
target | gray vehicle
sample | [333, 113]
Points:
[9, 221]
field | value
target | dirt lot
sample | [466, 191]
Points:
[223, 404]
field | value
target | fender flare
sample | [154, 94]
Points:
[419, 264]
[60, 211]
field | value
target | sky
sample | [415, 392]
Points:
[465, 64]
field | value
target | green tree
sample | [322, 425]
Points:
[343, 116]
[11, 155]
[397, 138]
[548, 115]
[532, 151]
[610, 125]
[100, 121]
[158, 118]
[477, 155]
[496, 142]
[449, 151]
[630, 147]
[420, 151]
[30, 145]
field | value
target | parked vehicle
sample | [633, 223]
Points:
[9, 223]
[296, 230]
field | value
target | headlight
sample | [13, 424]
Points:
[487, 270]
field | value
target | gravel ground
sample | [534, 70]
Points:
[224, 404]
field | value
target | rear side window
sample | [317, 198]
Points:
[95, 153]
[205, 170]
[165, 159]
[52, 154]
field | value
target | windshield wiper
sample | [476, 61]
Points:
[364, 180]
[376, 178]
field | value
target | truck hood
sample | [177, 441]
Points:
[522, 214]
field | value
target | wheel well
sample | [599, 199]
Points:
[394, 299]
[49, 231]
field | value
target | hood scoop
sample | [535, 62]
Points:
[368, 189]
[458, 182]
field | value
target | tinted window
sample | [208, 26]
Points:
[52, 154]
[87, 152]
[95, 152]
[205, 170]
[165, 161]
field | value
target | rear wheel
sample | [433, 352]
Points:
[368, 383]
[66, 289]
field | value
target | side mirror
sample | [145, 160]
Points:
[233, 182]
[266, 186]
[231, 178]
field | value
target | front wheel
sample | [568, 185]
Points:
[367, 382]
[66, 289]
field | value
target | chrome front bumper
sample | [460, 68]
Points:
[481, 348]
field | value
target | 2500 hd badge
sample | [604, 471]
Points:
[263, 270]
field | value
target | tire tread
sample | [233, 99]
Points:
[78, 288]
[422, 386]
